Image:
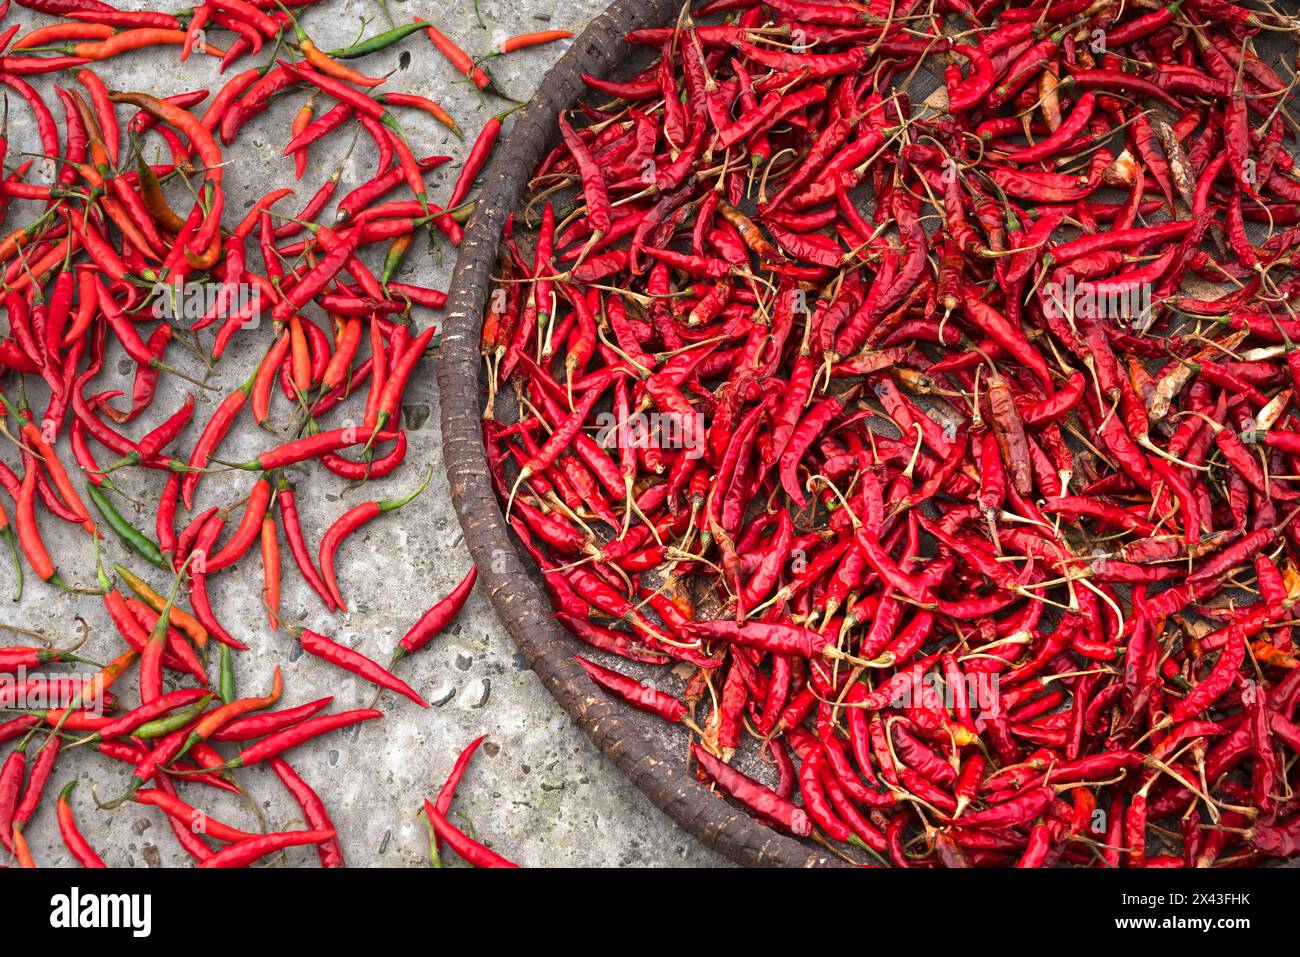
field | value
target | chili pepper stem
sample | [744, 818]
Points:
[389, 505]
[132, 787]
[57, 580]
[163, 367]
[523, 474]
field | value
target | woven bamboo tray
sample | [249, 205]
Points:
[636, 743]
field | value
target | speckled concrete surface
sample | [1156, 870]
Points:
[538, 791]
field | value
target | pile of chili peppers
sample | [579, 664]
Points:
[947, 452]
[104, 261]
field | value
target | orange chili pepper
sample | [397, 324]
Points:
[326, 64]
[525, 40]
[21, 851]
[300, 123]
[129, 40]
[183, 620]
[271, 570]
[458, 57]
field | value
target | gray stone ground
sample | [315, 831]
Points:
[538, 791]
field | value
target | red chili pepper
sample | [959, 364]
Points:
[476, 159]
[41, 769]
[977, 86]
[247, 532]
[261, 725]
[313, 809]
[353, 661]
[77, 845]
[470, 850]
[753, 795]
[634, 693]
[349, 522]
[11, 781]
[278, 742]
[434, 621]
[190, 817]
[247, 851]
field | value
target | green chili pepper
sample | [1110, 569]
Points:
[379, 41]
[226, 676]
[131, 536]
[173, 722]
